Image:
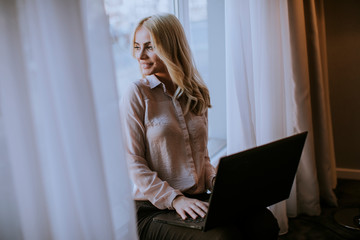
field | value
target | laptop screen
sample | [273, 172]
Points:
[257, 177]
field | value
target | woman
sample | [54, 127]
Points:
[165, 123]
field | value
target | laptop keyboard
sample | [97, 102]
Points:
[197, 220]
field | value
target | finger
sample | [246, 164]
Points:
[199, 211]
[182, 214]
[203, 205]
[191, 212]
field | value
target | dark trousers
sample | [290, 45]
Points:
[258, 225]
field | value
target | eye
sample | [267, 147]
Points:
[149, 48]
[136, 47]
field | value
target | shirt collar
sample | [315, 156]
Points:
[153, 81]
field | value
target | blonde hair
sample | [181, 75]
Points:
[170, 43]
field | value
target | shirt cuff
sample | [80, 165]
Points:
[211, 181]
[172, 197]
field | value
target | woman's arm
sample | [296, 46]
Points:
[210, 174]
[132, 109]
[209, 168]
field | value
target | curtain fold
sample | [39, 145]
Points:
[63, 172]
[308, 39]
[319, 81]
[277, 86]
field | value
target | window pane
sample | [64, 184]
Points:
[123, 16]
[208, 46]
[199, 35]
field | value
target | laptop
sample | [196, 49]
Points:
[252, 179]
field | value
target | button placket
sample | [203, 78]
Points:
[185, 131]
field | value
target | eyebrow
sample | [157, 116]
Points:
[147, 43]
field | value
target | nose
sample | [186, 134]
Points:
[142, 54]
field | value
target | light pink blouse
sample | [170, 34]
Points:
[166, 150]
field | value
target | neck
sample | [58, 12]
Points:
[169, 84]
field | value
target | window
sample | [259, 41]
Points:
[198, 36]
[203, 21]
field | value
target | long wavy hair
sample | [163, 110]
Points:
[170, 44]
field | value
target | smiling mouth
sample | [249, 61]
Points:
[146, 65]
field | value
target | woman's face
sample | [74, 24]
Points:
[144, 51]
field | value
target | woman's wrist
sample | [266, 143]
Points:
[175, 198]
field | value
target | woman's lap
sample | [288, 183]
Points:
[261, 225]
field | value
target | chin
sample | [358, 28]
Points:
[147, 73]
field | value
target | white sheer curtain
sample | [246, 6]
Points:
[62, 168]
[267, 97]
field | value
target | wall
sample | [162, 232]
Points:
[343, 49]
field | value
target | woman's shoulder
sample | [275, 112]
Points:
[139, 85]
[135, 91]
[136, 86]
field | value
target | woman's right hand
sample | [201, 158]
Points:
[193, 207]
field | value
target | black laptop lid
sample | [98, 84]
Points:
[255, 178]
